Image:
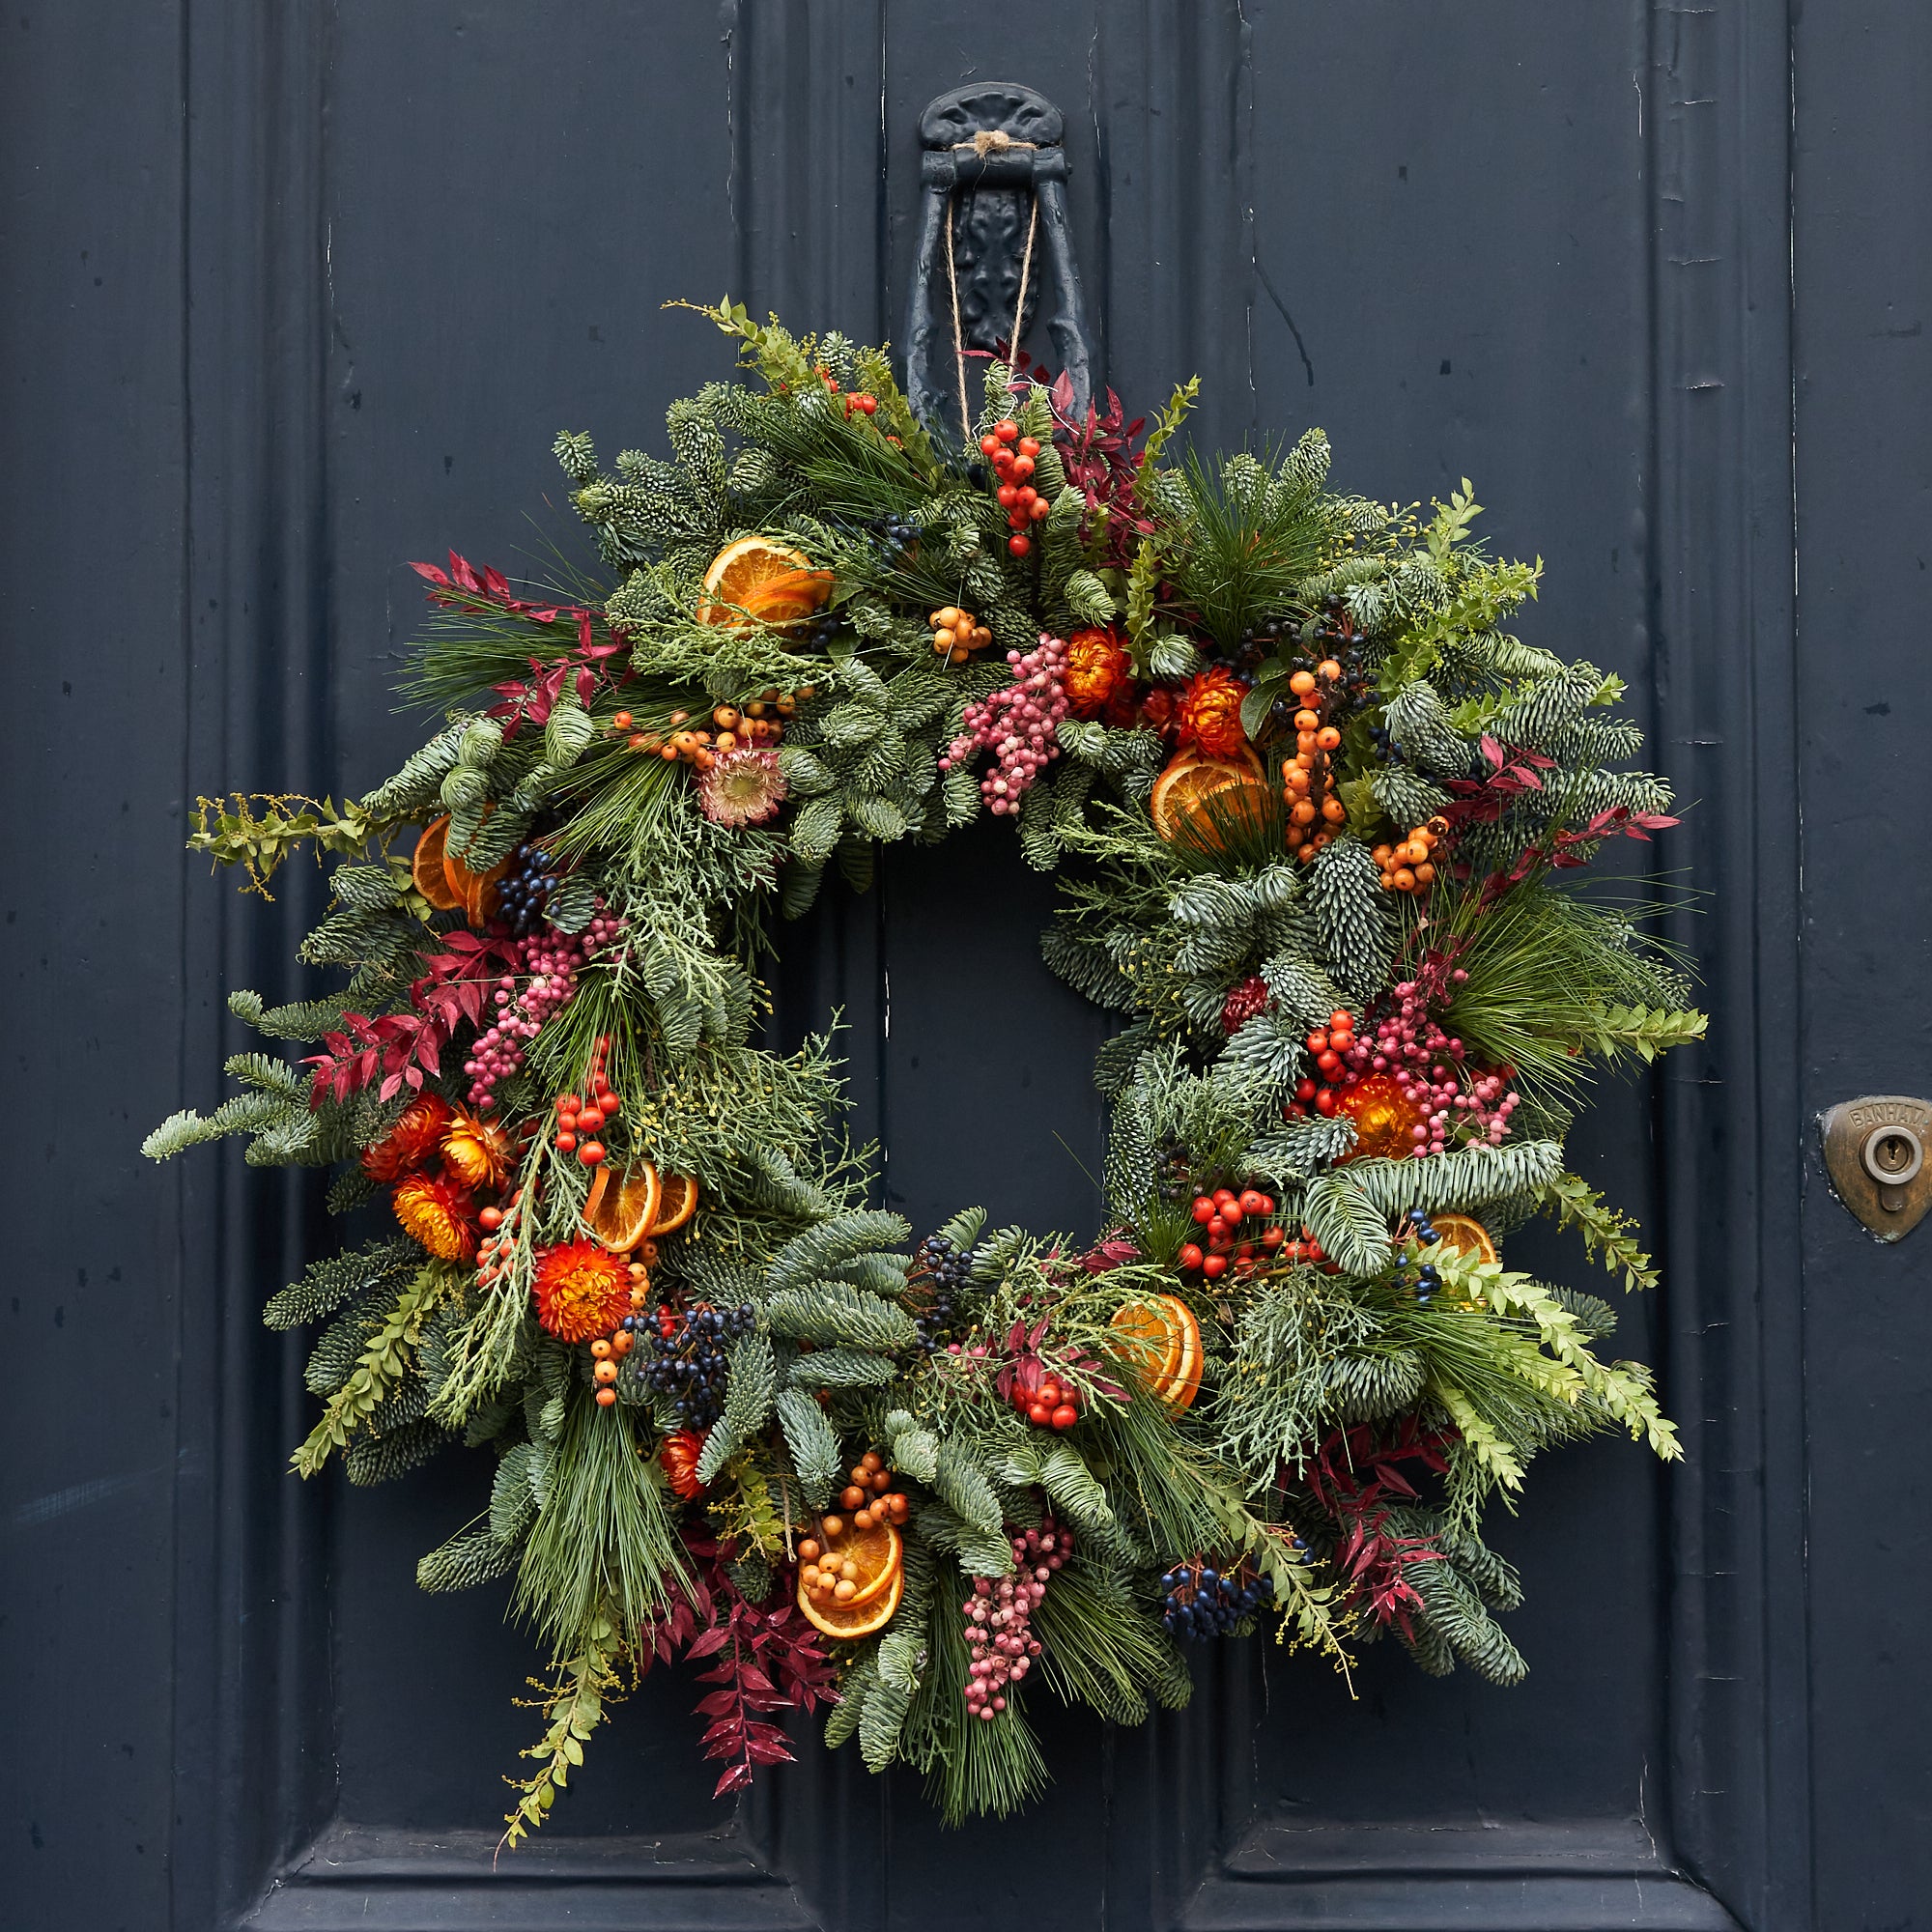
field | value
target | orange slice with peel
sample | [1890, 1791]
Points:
[1184, 1384]
[426, 868]
[1466, 1235]
[622, 1205]
[1163, 1322]
[1149, 1340]
[759, 580]
[676, 1205]
[475, 892]
[848, 1622]
[870, 1560]
[1190, 777]
[1180, 1388]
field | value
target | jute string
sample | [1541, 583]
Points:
[987, 141]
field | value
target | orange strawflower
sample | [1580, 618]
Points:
[1210, 714]
[1096, 667]
[410, 1141]
[679, 1459]
[582, 1291]
[476, 1152]
[437, 1211]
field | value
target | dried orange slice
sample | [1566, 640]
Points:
[1180, 1389]
[676, 1205]
[426, 869]
[765, 582]
[848, 1622]
[1242, 806]
[1150, 1340]
[622, 1207]
[1190, 778]
[870, 1560]
[1466, 1235]
[475, 892]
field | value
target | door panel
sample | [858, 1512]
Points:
[311, 290]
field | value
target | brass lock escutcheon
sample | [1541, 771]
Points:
[1875, 1153]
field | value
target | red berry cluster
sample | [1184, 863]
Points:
[1329, 1045]
[1011, 456]
[1220, 1216]
[499, 1239]
[580, 1121]
[1050, 1403]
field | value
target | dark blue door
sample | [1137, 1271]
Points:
[298, 294]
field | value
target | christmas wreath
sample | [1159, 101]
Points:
[1306, 799]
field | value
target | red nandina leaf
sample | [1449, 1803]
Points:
[734, 1778]
[712, 1641]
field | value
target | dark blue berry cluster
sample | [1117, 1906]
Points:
[946, 1271]
[1202, 1602]
[895, 538]
[526, 889]
[686, 1357]
[1427, 1278]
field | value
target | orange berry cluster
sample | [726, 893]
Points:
[870, 1496]
[580, 1120]
[609, 1351]
[1315, 812]
[612, 1349]
[956, 633]
[1409, 864]
[735, 729]
[1011, 456]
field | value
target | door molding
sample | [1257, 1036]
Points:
[811, 192]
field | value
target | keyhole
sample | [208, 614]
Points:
[1893, 1153]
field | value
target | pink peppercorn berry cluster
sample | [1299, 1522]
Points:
[552, 960]
[997, 1615]
[1017, 725]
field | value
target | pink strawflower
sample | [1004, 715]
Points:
[742, 788]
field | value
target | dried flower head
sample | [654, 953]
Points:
[476, 1152]
[1158, 709]
[411, 1141]
[679, 1459]
[1210, 714]
[437, 1211]
[742, 788]
[1096, 670]
[582, 1291]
